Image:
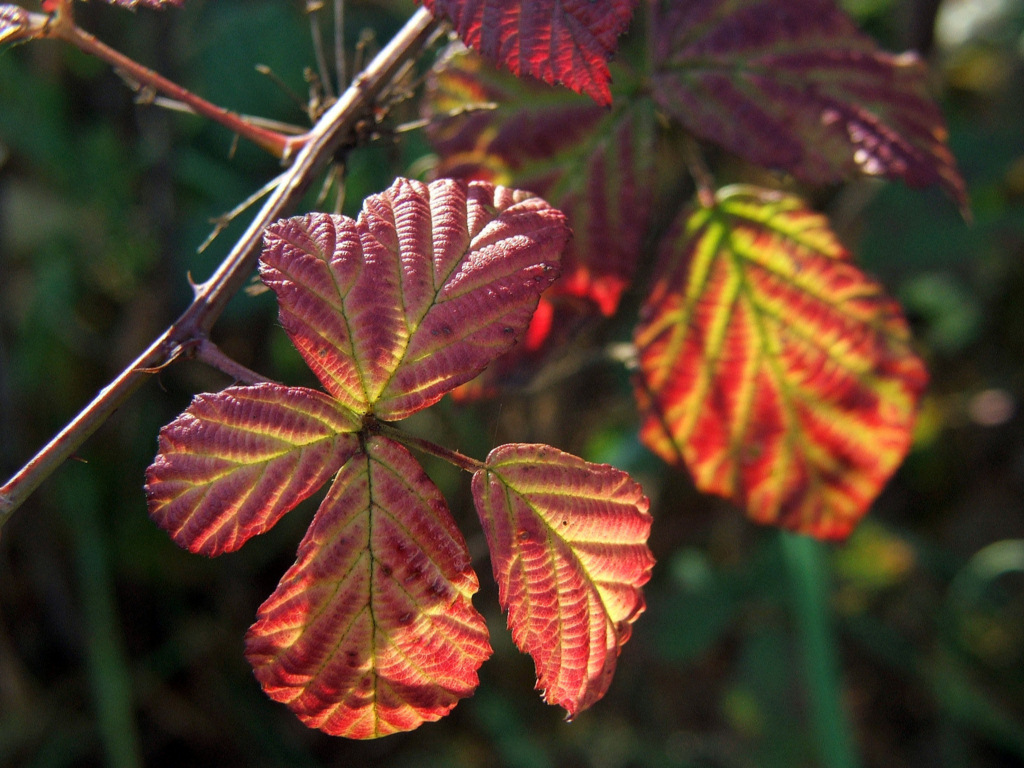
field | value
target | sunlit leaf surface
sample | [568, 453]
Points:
[557, 41]
[13, 21]
[779, 372]
[430, 285]
[234, 462]
[569, 553]
[372, 630]
[793, 84]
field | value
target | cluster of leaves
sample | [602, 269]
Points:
[768, 364]
[372, 630]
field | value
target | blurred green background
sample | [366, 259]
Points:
[903, 647]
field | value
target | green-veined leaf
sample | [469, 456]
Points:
[779, 372]
[430, 285]
[372, 630]
[234, 462]
[569, 553]
[793, 84]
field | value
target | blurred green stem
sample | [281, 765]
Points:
[809, 580]
[109, 675]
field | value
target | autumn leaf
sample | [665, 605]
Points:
[569, 554]
[372, 630]
[418, 295]
[792, 84]
[234, 462]
[781, 374]
[558, 41]
[599, 167]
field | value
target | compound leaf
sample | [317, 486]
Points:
[372, 630]
[234, 462]
[557, 41]
[780, 373]
[418, 295]
[568, 549]
[793, 84]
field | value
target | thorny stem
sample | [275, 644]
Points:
[460, 460]
[191, 328]
[61, 26]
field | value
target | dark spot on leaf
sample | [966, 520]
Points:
[405, 618]
[385, 569]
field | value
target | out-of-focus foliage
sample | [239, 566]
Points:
[117, 648]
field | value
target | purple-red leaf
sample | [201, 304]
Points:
[372, 630]
[430, 285]
[793, 84]
[569, 553]
[779, 372]
[234, 462]
[14, 20]
[557, 41]
[598, 167]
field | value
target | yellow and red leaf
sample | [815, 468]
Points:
[781, 374]
[418, 295]
[569, 554]
[373, 630]
[234, 462]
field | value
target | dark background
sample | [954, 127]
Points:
[117, 648]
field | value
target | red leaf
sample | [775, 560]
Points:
[430, 285]
[568, 549]
[600, 168]
[793, 84]
[557, 41]
[780, 373]
[14, 20]
[234, 462]
[372, 630]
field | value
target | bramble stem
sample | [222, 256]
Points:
[330, 132]
[278, 144]
[460, 460]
